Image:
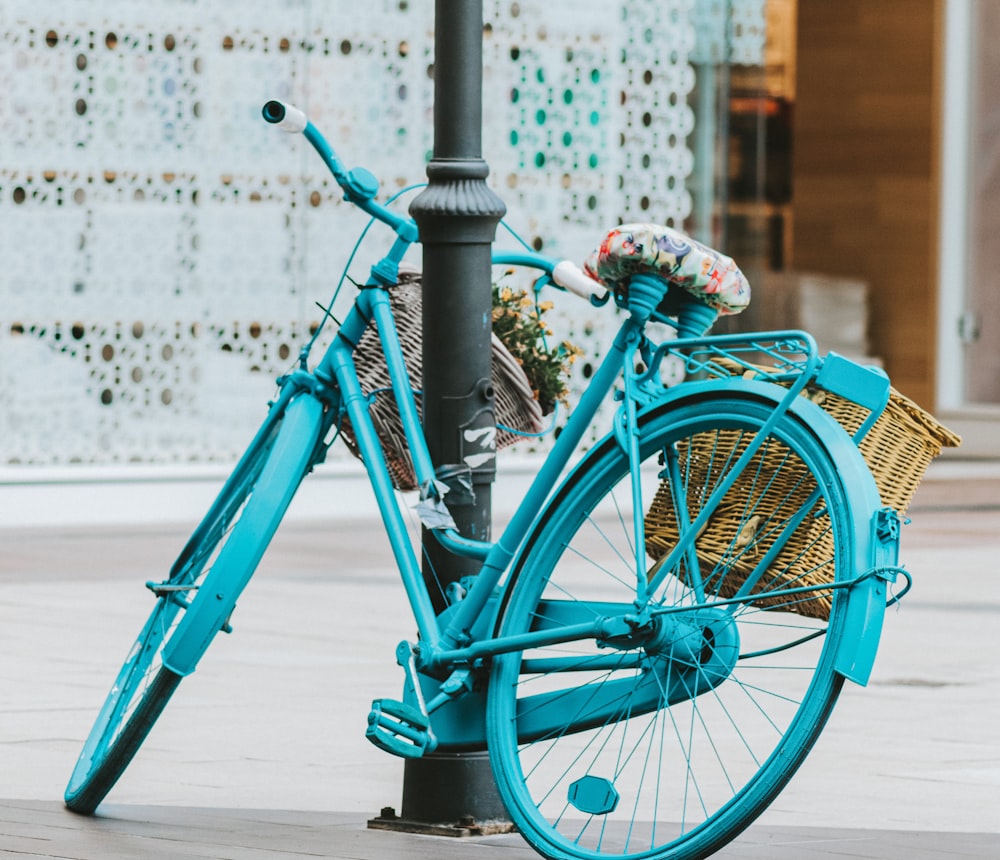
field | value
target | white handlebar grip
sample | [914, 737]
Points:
[287, 117]
[572, 278]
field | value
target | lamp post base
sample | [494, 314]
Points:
[448, 795]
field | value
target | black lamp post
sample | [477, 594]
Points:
[457, 215]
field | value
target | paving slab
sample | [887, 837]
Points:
[44, 829]
[261, 753]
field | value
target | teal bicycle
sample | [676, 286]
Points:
[654, 643]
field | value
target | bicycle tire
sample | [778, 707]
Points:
[236, 531]
[737, 742]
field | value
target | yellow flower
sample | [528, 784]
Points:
[517, 321]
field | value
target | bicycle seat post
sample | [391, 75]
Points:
[647, 293]
[695, 318]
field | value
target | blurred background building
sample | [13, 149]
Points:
[164, 251]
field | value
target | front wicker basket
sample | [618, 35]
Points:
[515, 405]
[898, 449]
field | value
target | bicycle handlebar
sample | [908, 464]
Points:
[572, 278]
[287, 117]
[361, 185]
[563, 273]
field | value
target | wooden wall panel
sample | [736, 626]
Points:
[865, 171]
[982, 356]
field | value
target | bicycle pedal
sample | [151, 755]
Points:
[399, 729]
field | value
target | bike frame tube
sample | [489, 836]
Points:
[496, 563]
[629, 406]
[393, 351]
[596, 629]
[339, 361]
[680, 500]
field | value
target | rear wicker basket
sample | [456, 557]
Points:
[897, 449]
[515, 404]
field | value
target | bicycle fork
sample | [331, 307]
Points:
[303, 424]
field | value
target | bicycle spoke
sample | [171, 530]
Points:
[666, 741]
[144, 685]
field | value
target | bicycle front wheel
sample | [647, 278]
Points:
[668, 745]
[228, 544]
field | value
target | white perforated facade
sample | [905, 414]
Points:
[164, 249]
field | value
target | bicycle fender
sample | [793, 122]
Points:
[875, 547]
[863, 627]
[209, 612]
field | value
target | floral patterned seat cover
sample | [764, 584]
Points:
[708, 275]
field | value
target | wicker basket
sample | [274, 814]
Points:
[515, 404]
[897, 449]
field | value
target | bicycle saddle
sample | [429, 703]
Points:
[702, 272]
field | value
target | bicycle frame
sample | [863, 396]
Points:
[623, 674]
[443, 647]
[452, 645]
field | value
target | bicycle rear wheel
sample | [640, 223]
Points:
[226, 546]
[669, 747]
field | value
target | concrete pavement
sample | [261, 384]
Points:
[261, 754]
